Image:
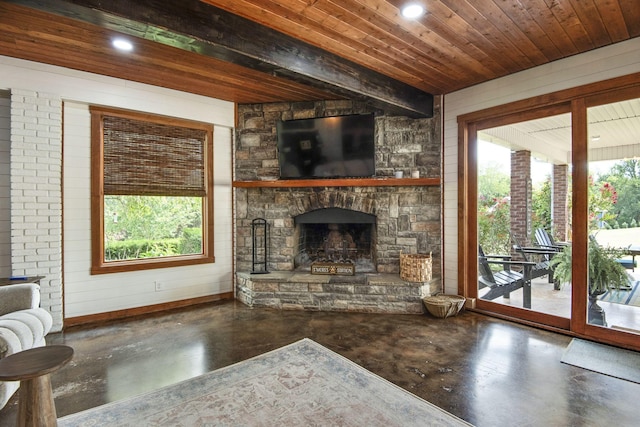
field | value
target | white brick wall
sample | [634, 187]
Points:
[36, 193]
[5, 189]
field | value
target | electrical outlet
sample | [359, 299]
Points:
[159, 285]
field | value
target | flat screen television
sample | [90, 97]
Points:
[327, 147]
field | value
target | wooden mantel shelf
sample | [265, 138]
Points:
[339, 182]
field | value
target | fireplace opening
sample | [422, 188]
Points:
[336, 236]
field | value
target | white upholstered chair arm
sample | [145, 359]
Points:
[19, 297]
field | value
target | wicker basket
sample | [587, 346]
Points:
[444, 305]
[415, 267]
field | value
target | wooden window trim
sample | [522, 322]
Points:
[98, 265]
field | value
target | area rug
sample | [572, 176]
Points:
[627, 297]
[302, 384]
[605, 359]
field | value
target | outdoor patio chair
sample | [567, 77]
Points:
[501, 283]
[546, 240]
[541, 256]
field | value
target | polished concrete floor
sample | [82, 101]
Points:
[487, 371]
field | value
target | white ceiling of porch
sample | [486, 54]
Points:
[614, 130]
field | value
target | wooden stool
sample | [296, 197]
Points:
[32, 368]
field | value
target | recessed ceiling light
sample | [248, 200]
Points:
[595, 138]
[413, 10]
[122, 44]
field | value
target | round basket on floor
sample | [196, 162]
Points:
[444, 305]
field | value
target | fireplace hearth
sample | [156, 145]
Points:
[364, 293]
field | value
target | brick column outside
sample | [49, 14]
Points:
[521, 199]
[560, 203]
[36, 193]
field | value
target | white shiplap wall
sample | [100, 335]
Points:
[85, 294]
[612, 61]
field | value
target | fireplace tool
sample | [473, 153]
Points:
[260, 246]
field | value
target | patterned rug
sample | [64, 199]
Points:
[302, 384]
[629, 296]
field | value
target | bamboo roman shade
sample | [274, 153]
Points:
[153, 159]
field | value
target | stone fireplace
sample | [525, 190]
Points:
[403, 219]
[359, 221]
[400, 219]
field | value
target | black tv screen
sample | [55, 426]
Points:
[327, 147]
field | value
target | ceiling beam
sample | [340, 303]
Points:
[198, 27]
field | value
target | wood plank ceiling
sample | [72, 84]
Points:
[456, 44]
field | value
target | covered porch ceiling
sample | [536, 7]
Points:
[614, 132]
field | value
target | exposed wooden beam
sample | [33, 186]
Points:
[197, 27]
[34, 35]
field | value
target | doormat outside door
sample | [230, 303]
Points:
[605, 359]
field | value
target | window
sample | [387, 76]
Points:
[151, 191]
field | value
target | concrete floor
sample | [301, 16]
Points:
[487, 371]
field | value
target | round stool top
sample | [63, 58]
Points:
[34, 362]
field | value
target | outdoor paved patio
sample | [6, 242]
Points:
[558, 302]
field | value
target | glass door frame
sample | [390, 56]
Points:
[576, 101]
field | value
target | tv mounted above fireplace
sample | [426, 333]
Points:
[327, 147]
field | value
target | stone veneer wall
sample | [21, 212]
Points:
[368, 293]
[401, 143]
[409, 218]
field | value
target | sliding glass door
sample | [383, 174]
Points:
[522, 216]
[549, 228]
[614, 215]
